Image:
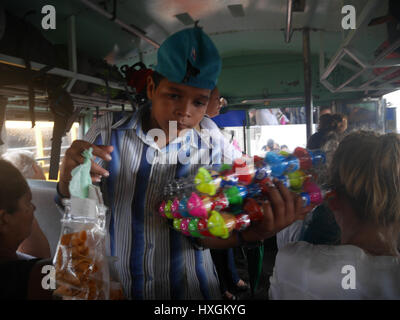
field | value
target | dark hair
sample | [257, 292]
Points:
[12, 186]
[157, 78]
[339, 117]
[328, 122]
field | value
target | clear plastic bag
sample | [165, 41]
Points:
[81, 264]
[217, 200]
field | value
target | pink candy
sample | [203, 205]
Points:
[313, 191]
[196, 207]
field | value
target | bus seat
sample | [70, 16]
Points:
[47, 213]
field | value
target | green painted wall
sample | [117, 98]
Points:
[272, 76]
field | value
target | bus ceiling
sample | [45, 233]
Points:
[274, 52]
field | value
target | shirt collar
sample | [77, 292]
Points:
[134, 122]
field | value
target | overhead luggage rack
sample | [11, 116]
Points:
[359, 64]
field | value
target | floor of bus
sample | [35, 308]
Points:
[270, 251]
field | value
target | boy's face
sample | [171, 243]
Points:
[176, 102]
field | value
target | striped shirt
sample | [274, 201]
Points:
[155, 262]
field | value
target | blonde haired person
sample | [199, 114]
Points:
[25, 162]
[365, 175]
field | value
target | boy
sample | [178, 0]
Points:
[156, 262]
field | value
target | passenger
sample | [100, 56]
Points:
[365, 176]
[36, 245]
[342, 122]
[224, 261]
[214, 106]
[328, 129]
[25, 162]
[20, 278]
[156, 262]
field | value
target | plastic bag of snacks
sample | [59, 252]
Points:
[80, 260]
[217, 201]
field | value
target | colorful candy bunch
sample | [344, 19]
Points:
[217, 201]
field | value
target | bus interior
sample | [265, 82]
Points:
[291, 59]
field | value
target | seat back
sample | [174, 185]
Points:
[47, 213]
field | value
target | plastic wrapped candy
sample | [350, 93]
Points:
[218, 200]
[216, 225]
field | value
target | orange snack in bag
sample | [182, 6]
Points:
[77, 271]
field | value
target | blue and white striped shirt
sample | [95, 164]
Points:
[155, 262]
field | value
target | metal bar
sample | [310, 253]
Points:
[349, 65]
[355, 76]
[362, 19]
[332, 64]
[355, 57]
[327, 84]
[289, 15]
[96, 99]
[73, 64]
[353, 89]
[272, 99]
[390, 81]
[393, 62]
[386, 52]
[59, 72]
[129, 28]
[307, 81]
[378, 78]
[321, 53]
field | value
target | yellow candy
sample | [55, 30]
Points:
[216, 225]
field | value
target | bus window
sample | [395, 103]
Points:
[20, 135]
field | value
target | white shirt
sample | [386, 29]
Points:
[265, 117]
[306, 271]
[230, 153]
[289, 234]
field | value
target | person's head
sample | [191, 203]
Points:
[189, 65]
[25, 162]
[215, 103]
[16, 209]
[270, 144]
[365, 174]
[324, 110]
[341, 120]
[284, 147]
[327, 122]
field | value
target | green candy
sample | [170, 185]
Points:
[233, 196]
[167, 210]
[177, 224]
[193, 228]
[296, 179]
[225, 167]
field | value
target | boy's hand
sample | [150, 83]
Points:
[73, 158]
[283, 208]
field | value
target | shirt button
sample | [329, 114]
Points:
[150, 278]
[151, 246]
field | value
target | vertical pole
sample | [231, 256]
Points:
[244, 136]
[72, 56]
[307, 81]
